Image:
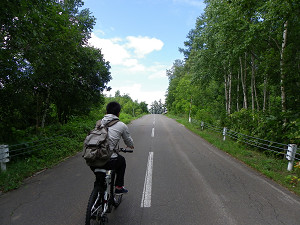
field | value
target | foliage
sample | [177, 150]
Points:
[157, 107]
[47, 72]
[241, 69]
[294, 180]
[128, 106]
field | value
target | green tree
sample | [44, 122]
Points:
[129, 107]
[157, 107]
[45, 64]
[144, 107]
[241, 54]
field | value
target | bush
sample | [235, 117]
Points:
[62, 141]
[125, 118]
[204, 115]
[265, 126]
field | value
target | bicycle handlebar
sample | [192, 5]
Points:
[125, 150]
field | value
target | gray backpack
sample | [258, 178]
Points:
[96, 151]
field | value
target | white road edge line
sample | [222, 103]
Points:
[146, 199]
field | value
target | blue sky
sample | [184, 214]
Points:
[140, 39]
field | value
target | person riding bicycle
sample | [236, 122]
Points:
[115, 133]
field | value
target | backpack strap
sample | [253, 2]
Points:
[99, 124]
[109, 125]
[112, 122]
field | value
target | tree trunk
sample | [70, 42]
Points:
[237, 92]
[227, 85]
[226, 93]
[46, 109]
[265, 93]
[253, 85]
[243, 79]
[37, 111]
[282, 70]
[229, 92]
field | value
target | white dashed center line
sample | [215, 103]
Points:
[146, 199]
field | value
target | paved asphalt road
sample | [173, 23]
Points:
[174, 178]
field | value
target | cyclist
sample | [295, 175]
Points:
[115, 133]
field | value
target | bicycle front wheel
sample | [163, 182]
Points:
[94, 208]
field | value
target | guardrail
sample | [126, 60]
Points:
[10, 151]
[288, 150]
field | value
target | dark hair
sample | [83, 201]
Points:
[113, 108]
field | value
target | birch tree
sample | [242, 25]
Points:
[245, 52]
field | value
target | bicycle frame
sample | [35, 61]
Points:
[108, 198]
[103, 198]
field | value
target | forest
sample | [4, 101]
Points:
[241, 69]
[49, 74]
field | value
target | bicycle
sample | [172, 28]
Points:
[103, 197]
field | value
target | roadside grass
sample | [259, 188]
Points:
[68, 144]
[268, 164]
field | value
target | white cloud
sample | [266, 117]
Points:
[144, 45]
[195, 3]
[143, 82]
[101, 32]
[112, 50]
[126, 52]
[157, 71]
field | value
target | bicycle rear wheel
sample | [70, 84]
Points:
[94, 208]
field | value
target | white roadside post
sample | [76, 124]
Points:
[224, 133]
[4, 156]
[190, 119]
[290, 156]
[202, 125]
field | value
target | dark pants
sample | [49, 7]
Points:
[118, 164]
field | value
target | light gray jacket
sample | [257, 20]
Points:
[116, 132]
